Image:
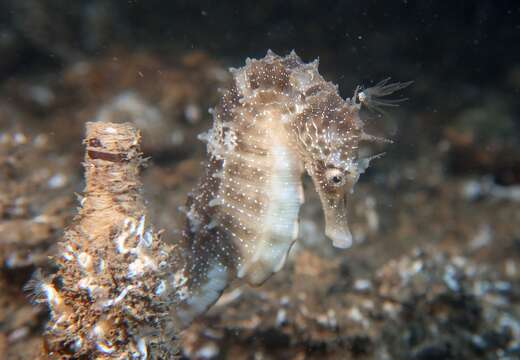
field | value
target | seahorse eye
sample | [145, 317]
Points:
[335, 177]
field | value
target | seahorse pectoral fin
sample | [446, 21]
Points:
[336, 225]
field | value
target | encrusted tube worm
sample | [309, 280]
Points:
[279, 119]
[116, 283]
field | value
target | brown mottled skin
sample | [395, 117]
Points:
[279, 118]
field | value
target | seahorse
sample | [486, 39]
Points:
[279, 119]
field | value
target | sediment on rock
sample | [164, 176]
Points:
[116, 281]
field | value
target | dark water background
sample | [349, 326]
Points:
[469, 41]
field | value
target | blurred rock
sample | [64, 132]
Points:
[485, 140]
[426, 305]
[35, 198]
[36, 203]
[168, 99]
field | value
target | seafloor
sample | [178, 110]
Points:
[434, 273]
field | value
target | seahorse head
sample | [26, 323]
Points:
[329, 142]
[328, 132]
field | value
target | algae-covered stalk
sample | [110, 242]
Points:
[115, 286]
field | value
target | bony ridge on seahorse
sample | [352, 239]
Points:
[278, 119]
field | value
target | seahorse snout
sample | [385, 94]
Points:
[336, 224]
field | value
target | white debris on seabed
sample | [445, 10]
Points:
[208, 351]
[391, 309]
[357, 316]
[285, 300]
[487, 188]
[18, 334]
[328, 320]
[281, 317]
[192, 113]
[177, 137]
[12, 139]
[362, 285]
[456, 284]
[202, 345]
[371, 215]
[511, 268]
[41, 95]
[359, 233]
[57, 181]
[482, 238]
[450, 278]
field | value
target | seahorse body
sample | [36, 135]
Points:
[278, 119]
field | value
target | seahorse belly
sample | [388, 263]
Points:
[276, 225]
[281, 219]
